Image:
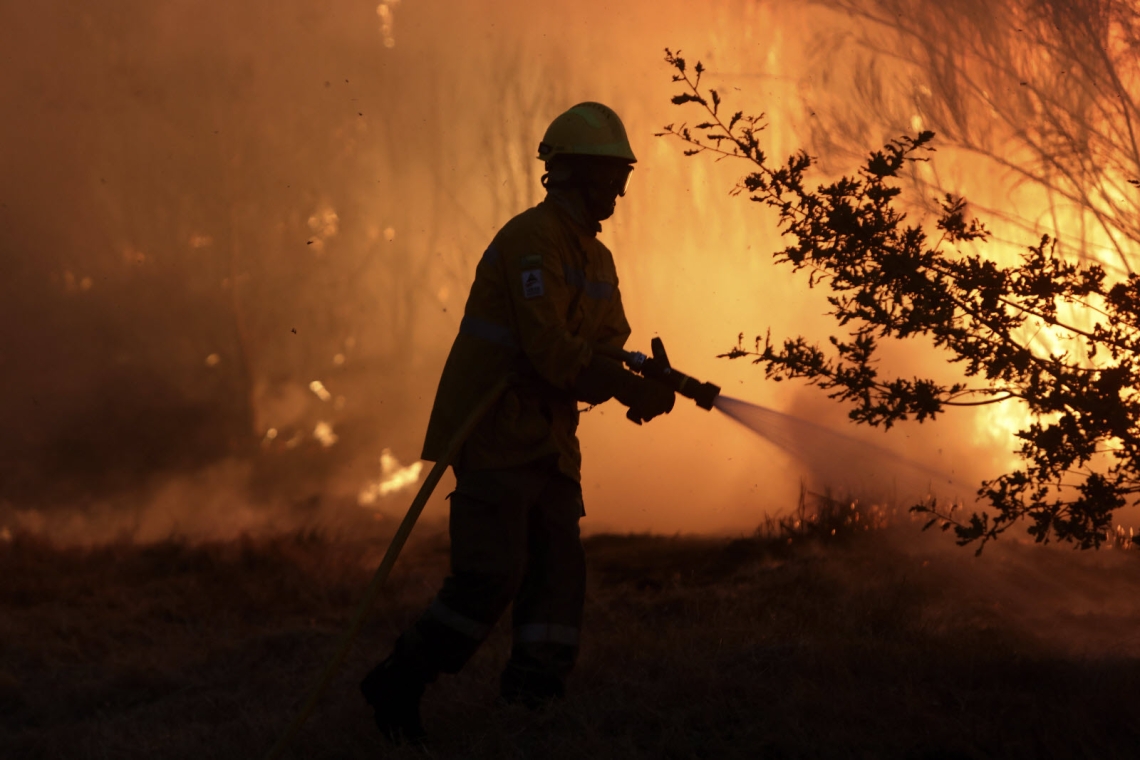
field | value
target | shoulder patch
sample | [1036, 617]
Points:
[532, 283]
[533, 261]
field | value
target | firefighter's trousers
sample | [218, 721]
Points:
[514, 540]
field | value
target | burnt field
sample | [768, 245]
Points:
[791, 643]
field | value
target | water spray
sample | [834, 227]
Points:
[817, 447]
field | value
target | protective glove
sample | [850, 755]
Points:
[605, 378]
[646, 399]
[600, 380]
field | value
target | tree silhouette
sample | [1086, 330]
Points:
[890, 280]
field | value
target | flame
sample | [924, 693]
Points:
[323, 432]
[72, 282]
[393, 478]
[325, 224]
[320, 390]
[132, 255]
[385, 11]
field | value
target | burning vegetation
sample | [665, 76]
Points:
[230, 274]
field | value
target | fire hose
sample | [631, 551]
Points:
[655, 367]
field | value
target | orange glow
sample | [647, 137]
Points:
[332, 205]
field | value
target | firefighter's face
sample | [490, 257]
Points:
[608, 182]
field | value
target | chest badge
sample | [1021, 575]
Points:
[532, 283]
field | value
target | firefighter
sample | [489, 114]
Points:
[545, 295]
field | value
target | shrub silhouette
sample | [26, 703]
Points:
[890, 280]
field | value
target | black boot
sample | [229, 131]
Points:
[530, 688]
[536, 673]
[394, 689]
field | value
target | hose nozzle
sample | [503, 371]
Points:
[657, 367]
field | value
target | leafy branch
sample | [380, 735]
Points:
[741, 133]
[888, 280]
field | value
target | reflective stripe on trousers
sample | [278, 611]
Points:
[472, 629]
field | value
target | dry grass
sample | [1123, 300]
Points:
[855, 645]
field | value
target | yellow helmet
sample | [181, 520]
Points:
[587, 129]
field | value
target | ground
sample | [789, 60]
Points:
[869, 644]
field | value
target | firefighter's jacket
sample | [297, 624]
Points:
[544, 291]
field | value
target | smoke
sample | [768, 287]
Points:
[242, 235]
[1033, 103]
[1071, 603]
[211, 503]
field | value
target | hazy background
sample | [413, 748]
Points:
[236, 240]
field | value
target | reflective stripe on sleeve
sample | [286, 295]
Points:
[547, 632]
[472, 629]
[488, 331]
[576, 278]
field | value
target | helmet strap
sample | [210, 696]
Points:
[583, 178]
[600, 202]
